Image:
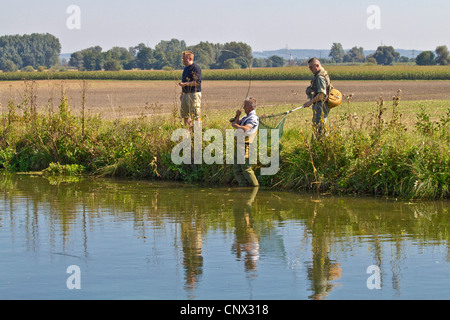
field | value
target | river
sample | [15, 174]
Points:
[80, 238]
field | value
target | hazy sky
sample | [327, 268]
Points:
[263, 24]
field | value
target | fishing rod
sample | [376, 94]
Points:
[250, 80]
[283, 113]
[234, 53]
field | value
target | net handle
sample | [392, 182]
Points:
[282, 113]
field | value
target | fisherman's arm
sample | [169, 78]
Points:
[319, 97]
[197, 76]
[246, 128]
[321, 92]
[189, 84]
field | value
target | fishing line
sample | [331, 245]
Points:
[249, 70]
[244, 59]
[174, 74]
[170, 65]
[250, 78]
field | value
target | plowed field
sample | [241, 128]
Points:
[133, 98]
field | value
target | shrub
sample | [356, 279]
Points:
[28, 69]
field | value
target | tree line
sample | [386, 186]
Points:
[166, 55]
[386, 55]
[40, 51]
[33, 51]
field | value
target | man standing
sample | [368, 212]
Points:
[191, 84]
[318, 93]
[247, 127]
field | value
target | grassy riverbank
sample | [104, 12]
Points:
[380, 150]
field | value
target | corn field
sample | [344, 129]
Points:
[356, 72]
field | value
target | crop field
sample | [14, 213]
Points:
[355, 72]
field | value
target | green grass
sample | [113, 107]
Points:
[357, 72]
[383, 148]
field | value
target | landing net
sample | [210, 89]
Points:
[275, 121]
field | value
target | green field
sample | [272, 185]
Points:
[357, 72]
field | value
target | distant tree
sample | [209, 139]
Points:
[8, 66]
[442, 55]
[144, 57]
[276, 61]
[92, 58]
[112, 65]
[231, 64]
[169, 53]
[76, 60]
[34, 50]
[241, 52]
[204, 54]
[386, 55]
[355, 54]
[161, 59]
[425, 58]
[124, 56]
[404, 59]
[88, 59]
[259, 63]
[337, 52]
[174, 45]
[347, 58]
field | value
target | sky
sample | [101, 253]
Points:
[263, 24]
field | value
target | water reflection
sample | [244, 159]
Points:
[192, 242]
[289, 246]
[322, 269]
[246, 245]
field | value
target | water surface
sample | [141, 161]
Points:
[159, 240]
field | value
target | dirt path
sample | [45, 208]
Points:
[131, 98]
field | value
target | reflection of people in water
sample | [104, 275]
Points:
[192, 240]
[246, 246]
[322, 269]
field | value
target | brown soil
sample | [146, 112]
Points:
[133, 98]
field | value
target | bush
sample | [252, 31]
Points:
[9, 66]
[426, 58]
[28, 69]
